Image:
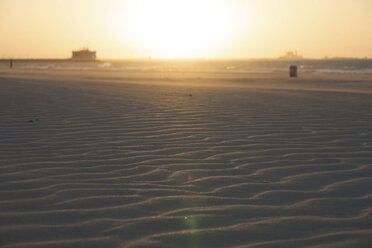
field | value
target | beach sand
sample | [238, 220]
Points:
[172, 159]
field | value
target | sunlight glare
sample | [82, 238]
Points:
[179, 28]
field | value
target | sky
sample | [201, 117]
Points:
[121, 29]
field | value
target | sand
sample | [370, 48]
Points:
[151, 159]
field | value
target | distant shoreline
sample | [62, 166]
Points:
[49, 60]
[342, 66]
[190, 59]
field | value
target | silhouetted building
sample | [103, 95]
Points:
[84, 54]
[291, 55]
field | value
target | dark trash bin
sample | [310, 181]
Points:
[293, 71]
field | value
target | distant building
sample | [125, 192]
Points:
[291, 55]
[84, 54]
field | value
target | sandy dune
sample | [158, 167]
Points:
[110, 159]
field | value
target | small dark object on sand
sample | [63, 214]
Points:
[190, 95]
[293, 71]
[34, 120]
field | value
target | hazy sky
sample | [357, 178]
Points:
[185, 28]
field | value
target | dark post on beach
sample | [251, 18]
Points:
[293, 71]
[11, 63]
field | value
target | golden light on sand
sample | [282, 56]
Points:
[179, 28]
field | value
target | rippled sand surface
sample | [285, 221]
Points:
[100, 159]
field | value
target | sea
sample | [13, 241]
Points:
[323, 66]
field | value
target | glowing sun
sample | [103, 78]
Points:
[179, 28]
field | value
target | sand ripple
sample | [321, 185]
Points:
[125, 165]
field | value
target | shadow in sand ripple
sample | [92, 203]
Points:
[245, 162]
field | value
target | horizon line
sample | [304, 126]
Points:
[180, 59]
